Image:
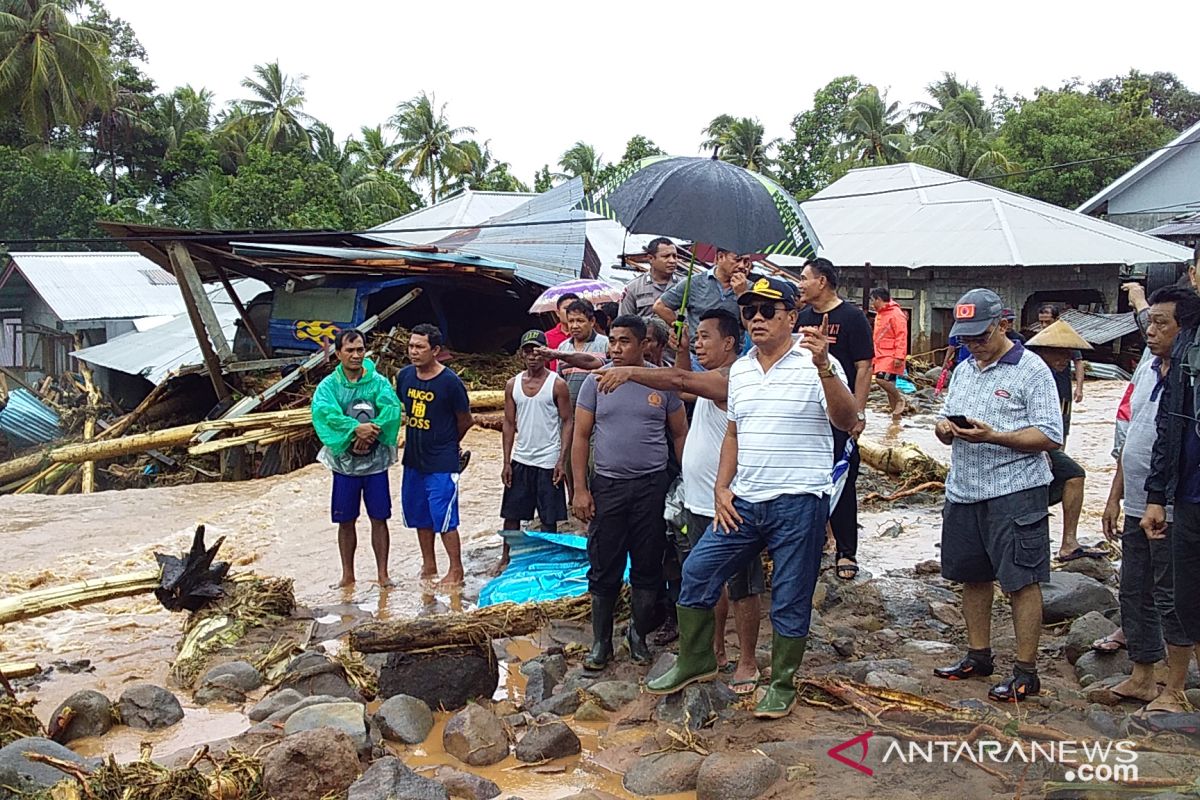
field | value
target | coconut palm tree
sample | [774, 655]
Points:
[274, 115]
[52, 70]
[744, 145]
[428, 144]
[121, 118]
[182, 111]
[580, 161]
[716, 133]
[874, 129]
[964, 151]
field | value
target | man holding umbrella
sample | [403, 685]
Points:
[716, 287]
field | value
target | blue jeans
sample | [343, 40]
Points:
[792, 528]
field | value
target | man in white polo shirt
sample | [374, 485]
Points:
[1001, 417]
[772, 490]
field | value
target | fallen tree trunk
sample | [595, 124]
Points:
[101, 450]
[491, 421]
[474, 627]
[901, 460]
[486, 399]
[46, 601]
[17, 468]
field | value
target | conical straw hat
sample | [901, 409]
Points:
[1059, 334]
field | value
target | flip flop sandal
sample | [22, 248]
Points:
[1108, 645]
[727, 668]
[1081, 552]
[851, 569]
[747, 686]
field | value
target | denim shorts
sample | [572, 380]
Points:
[1005, 539]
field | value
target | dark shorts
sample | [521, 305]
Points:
[1063, 468]
[350, 492]
[1005, 539]
[745, 582]
[886, 376]
[533, 490]
[429, 500]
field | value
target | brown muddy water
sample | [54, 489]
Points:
[280, 526]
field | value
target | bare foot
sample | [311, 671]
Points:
[428, 573]
[495, 569]
[1136, 690]
[385, 582]
[453, 578]
[1069, 546]
[1169, 701]
[346, 582]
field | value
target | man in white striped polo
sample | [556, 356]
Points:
[773, 487]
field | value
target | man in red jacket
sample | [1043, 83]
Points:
[891, 347]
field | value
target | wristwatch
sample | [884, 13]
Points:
[862, 416]
[826, 371]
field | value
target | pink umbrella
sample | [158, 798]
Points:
[594, 291]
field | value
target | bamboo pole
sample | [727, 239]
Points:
[72, 483]
[87, 483]
[46, 601]
[100, 450]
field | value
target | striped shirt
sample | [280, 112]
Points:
[785, 444]
[1013, 393]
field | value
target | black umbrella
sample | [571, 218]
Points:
[705, 200]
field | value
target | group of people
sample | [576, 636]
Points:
[1006, 418]
[746, 402]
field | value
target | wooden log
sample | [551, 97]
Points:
[474, 627]
[486, 399]
[46, 601]
[101, 450]
[75, 480]
[16, 468]
[87, 480]
[901, 460]
[490, 421]
[19, 669]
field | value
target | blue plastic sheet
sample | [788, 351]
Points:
[542, 566]
[905, 385]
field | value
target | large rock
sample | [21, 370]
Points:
[554, 665]
[539, 683]
[310, 764]
[90, 714]
[445, 679]
[314, 673]
[905, 601]
[1099, 568]
[404, 719]
[893, 681]
[923, 647]
[1102, 665]
[275, 701]
[612, 695]
[858, 670]
[282, 715]
[664, 773]
[1068, 595]
[1085, 630]
[466, 785]
[736, 776]
[350, 718]
[19, 773]
[238, 676]
[548, 741]
[475, 736]
[148, 707]
[567, 701]
[696, 706]
[389, 779]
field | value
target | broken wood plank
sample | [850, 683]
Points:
[19, 669]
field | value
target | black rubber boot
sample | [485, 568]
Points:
[603, 609]
[648, 615]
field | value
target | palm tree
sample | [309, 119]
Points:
[370, 180]
[52, 71]
[964, 151]
[428, 146]
[580, 161]
[874, 129]
[182, 111]
[374, 150]
[744, 145]
[231, 137]
[717, 133]
[120, 120]
[275, 115]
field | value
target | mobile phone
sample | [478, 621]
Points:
[959, 420]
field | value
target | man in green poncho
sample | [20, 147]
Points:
[356, 414]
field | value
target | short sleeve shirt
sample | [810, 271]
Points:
[641, 294]
[1015, 392]
[706, 293]
[431, 410]
[850, 336]
[574, 376]
[630, 434]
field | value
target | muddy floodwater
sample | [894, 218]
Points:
[280, 526]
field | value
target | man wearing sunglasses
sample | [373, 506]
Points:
[772, 490]
[1001, 418]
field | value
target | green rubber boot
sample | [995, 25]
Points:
[786, 654]
[696, 661]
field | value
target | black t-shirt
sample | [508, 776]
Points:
[849, 335]
[431, 411]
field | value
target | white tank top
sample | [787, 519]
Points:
[539, 430]
[701, 456]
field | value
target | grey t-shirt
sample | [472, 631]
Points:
[1139, 439]
[706, 293]
[630, 435]
[574, 376]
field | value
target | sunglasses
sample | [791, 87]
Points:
[980, 339]
[768, 310]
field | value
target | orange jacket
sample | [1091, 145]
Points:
[891, 339]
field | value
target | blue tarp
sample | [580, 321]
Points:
[542, 566]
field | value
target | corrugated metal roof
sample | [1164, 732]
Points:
[352, 253]
[26, 421]
[1099, 328]
[1156, 159]
[170, 347]
[79, 286]
[908, 215]
[1187, 226]
[464, 209]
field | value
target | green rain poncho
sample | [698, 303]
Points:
[330, 406]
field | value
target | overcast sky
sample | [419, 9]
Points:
[534, 77]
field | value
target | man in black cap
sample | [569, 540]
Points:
[1001, 418]
[538, 421]
[772, 490]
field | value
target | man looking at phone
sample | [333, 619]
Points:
[1001, 417]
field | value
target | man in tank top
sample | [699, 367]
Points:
[717, 343]
[538, 421]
